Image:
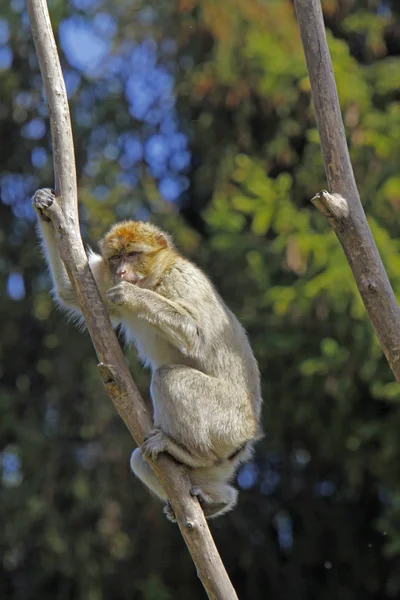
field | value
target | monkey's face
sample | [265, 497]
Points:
[127, 267]
[134, 252]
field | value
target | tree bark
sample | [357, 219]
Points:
[113, 369]
[342, 206]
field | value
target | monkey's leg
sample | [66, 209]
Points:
[202, 417]
[141, 468]
[144, 472]
[215, 497]
[202, 414]
[211, 487]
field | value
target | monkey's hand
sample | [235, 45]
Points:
[123, 294]
[42, 202]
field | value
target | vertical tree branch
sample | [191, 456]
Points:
[113, 369]
[343, 207]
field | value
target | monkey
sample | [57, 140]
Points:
[205, 381]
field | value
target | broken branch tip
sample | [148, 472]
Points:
[333, 206]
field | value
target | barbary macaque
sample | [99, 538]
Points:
[205, 384]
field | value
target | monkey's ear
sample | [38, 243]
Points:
[153, 240]
[161, 241]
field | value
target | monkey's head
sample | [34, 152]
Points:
[136, 252]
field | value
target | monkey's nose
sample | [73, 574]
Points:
[121, 273]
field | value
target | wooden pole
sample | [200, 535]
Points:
[342, 206]
[113, 369]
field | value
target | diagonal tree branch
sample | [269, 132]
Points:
[113, 369]
[342, 206]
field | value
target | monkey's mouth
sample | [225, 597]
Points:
[135, 279]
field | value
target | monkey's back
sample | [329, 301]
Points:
[222, 349]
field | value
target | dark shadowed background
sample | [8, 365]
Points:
[196, 114]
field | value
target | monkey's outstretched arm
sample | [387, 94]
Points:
[43, 200]
[173, 321]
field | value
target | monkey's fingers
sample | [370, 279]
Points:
[43, 200]
[119, 294]
[169, 513]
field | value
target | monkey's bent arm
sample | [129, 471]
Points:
[177, 325]
[172, 320]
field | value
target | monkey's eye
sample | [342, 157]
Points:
[113, 258]
[136, 253]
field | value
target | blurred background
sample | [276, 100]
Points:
[196, 114]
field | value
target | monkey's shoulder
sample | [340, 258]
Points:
[190, 288]
[187, 284]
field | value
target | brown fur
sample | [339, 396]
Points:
[130, 236]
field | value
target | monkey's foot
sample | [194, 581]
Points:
[154, 443]
[43, 200]
[157, 441]
[169, 513]
[211, 507]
